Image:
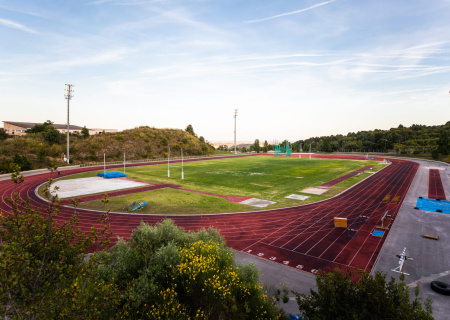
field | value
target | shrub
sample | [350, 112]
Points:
[51, 135]
[23, 162]
[340, 296]
[44, 272]
[168, 273]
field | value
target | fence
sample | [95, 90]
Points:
[96, 164]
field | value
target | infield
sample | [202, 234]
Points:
[268, 178]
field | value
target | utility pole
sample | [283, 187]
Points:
[68, 97]
[235, 116]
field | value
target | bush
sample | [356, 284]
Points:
[23, 162]
[435, 154]
[340, 296]
[7, 166]
[168, 273]
[51, 135]
[44, 272]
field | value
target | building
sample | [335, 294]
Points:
[19, 128]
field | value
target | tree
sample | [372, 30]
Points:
[244, 149]
[256, 147]
[39, 127]
[340, 296]
[3, 135]
[52, 135]
[85, 132]
[266, 146]
[190, 130]
[443, 143]
[326, 146]
[202, 139]
[44, 270]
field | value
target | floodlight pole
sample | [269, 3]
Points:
[182, 168]
[310, 150]
[168, 164]
[124, 162]
[235, 116]
[104, 165]
[68, 97]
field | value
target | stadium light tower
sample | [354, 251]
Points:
[68, 97]
[235, 116]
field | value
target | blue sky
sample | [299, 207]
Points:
[293, 69]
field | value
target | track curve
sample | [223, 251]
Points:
[301, 237]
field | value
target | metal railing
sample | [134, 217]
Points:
[97, 164]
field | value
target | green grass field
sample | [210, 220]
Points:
[269, 178]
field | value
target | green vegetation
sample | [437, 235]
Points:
[166, 273]
[44, 143]
[44, 273]
[162, 272]
[169, 201]
[268, 178]
[417, 139]
[361, 296]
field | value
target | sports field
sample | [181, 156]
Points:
[267, 178]
[302, 237]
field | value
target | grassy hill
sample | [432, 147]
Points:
[137, 143]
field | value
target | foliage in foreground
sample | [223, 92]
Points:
[340, 296]
[44, 271]
[166, 273]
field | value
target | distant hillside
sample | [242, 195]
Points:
[138, 143]
[416, 139]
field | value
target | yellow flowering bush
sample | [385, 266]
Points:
[167, 273]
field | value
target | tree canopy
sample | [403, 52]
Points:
[3, 134]
[419, 138]
[190, 129]
[361, 296]
[39, 127]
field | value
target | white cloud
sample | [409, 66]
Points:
[15, 25]
[290, 13]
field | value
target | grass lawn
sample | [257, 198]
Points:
[269, 178]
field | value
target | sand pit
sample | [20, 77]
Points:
[258, 203]
[84, 186]
[297, 197]
[315, 190]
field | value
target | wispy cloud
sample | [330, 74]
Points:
[290, 13]
[15, 25]
[124, 2]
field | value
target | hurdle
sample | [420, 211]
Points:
[364, 219]
[401, 261]
[352, 233]
[382, 221]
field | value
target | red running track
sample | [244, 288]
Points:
[301, 237]
[344, 177]
[435, 187]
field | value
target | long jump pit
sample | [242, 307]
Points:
[84, 186]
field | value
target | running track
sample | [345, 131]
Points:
[435, 187]
[301, 237]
